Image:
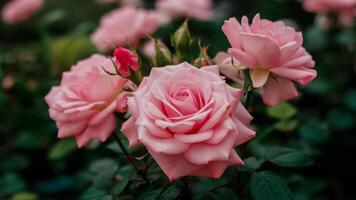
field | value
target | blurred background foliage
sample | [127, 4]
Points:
[304, 148]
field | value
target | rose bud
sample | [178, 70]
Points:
[182, 39]
[162, 54]
[126, 61]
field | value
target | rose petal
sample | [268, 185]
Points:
[278, 90]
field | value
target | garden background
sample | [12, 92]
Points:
[34, 164]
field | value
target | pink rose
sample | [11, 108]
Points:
[274, 54]
[189, 119]
[341, 6]
[16, 11]
[230, 67]
[83, 105]
[200, 9]
[124, 26]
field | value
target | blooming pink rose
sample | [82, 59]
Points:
[124, 26]
[341, 6]
[200, 9]
[125, 60]
[230, 67]
[274, 54]
[189, 119]
[83, 105]
[16, 11]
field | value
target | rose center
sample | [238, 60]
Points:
[182, 94]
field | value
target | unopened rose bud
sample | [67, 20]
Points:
[126, 61]
[162, 55]
[182, 39]
[203, 59]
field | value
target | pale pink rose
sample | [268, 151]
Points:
[323, 6]
[189, 119]
[200, 9]
[274, 54]
[83, 105]
[124, 26]
[230, 67]
[16, 11]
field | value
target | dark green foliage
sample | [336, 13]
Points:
[304, 149]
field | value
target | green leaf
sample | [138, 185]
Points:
[105, 170]
[267, 186]
[120, 186]
[102, 164]
[350, 99]
[62, 148]
[25, 196]
[320, 86]
[14, 162]
[286, 125]
[93, 194]
[313, 132]
[11, 183]
[225, 193]
[207, 185]
[316, 38]
[340, 119]
[282, 111]
[309, 187]
[251, 164]
[150, 195]
[287, 157]
[170, 193]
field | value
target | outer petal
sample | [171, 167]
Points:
[231, 28]
[205, 153]
[159, 145]
[278, 90]
[101, 131]
[71, 129]
[216, 169]
[302, 75]
[264, 50]
[130, 131]
[174, 166]
[243, 57]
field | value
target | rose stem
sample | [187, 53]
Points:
[129, 157]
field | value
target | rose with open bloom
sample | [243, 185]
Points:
[200, 9]
[83, 105]
[125, 61]
[273, 53]
[340, 6]
[16, 11]
[189, 119]
[124, 26]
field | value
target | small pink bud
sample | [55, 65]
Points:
[126, 61]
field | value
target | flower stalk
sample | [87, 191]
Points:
[139, 170]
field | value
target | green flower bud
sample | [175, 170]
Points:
[203, 59]
[181, 39]
[162, 55]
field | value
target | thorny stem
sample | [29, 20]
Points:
[131, 160]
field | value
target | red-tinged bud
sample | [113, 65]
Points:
[126, 61]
